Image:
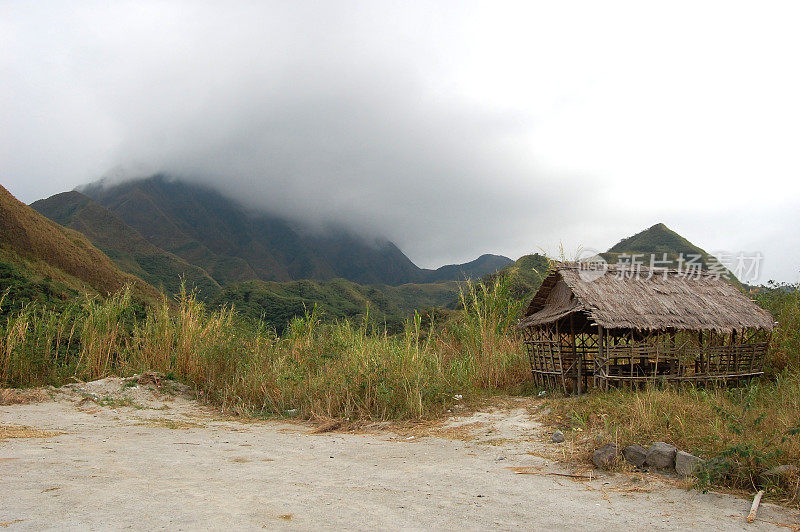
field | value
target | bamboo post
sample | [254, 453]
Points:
[754, 507]
[655, 370]
[560, 359]
[578, 383]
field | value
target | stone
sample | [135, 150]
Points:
[661, 455]
[558, 437]
[605, 456]
[635, 454]
[687, 464]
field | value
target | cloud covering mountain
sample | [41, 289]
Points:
[452, 130]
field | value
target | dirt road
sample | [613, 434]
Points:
[105, 455]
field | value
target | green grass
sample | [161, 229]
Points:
[338, 369]
[276, 304]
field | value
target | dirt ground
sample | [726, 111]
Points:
[113, 454]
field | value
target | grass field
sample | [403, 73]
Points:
[357, 371]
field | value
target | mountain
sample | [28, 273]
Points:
[129, 250]
[483, 265]
[41, 259]
[234, 244]
[659, 241]
[276, 303]
[527, 273]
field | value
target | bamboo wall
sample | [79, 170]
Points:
[574, 355]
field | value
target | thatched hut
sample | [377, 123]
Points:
[615, 326]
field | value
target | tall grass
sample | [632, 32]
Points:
[783, 301]
[742, 431]
[353, 370]
[339, 369]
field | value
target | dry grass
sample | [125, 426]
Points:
[350, 373]
[748, 429]
[340, 370]
[169, 423]
[16, 396]
[22, 431]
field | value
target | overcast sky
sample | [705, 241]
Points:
[453, 129]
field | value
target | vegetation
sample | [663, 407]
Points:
[20, 287]
[263, 349]
[742, 431]
[524, 276]
[783, 302]
[657, 239]
[233, 244]
[276, 304]
[667, 246]
[29, 242]
[342, 369]
[124, 245]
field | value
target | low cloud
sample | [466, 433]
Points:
[452, 131]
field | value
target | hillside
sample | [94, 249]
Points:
[233, 244]
[483, 265]
[129, 250]
[526, 274]
[277, 303]
[659, 240]
[38, 254]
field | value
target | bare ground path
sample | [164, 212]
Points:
[126, 457]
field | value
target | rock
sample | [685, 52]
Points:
[635, 454]
[686, 464]
[661, 455]
[605, 456]
[558, 437]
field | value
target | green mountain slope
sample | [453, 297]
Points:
[527, 273]
[658, 239]
[129, 250]
[483, 265]
[277, 303]
[234, 244]
[36, 254]
[669, 249]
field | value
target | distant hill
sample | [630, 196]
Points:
[525, 275]
[277, 303]
[483, 265]
[38, 254]
[660, 241]
[129, 250]
[233, 244]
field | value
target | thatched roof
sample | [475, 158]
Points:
[616, 299]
